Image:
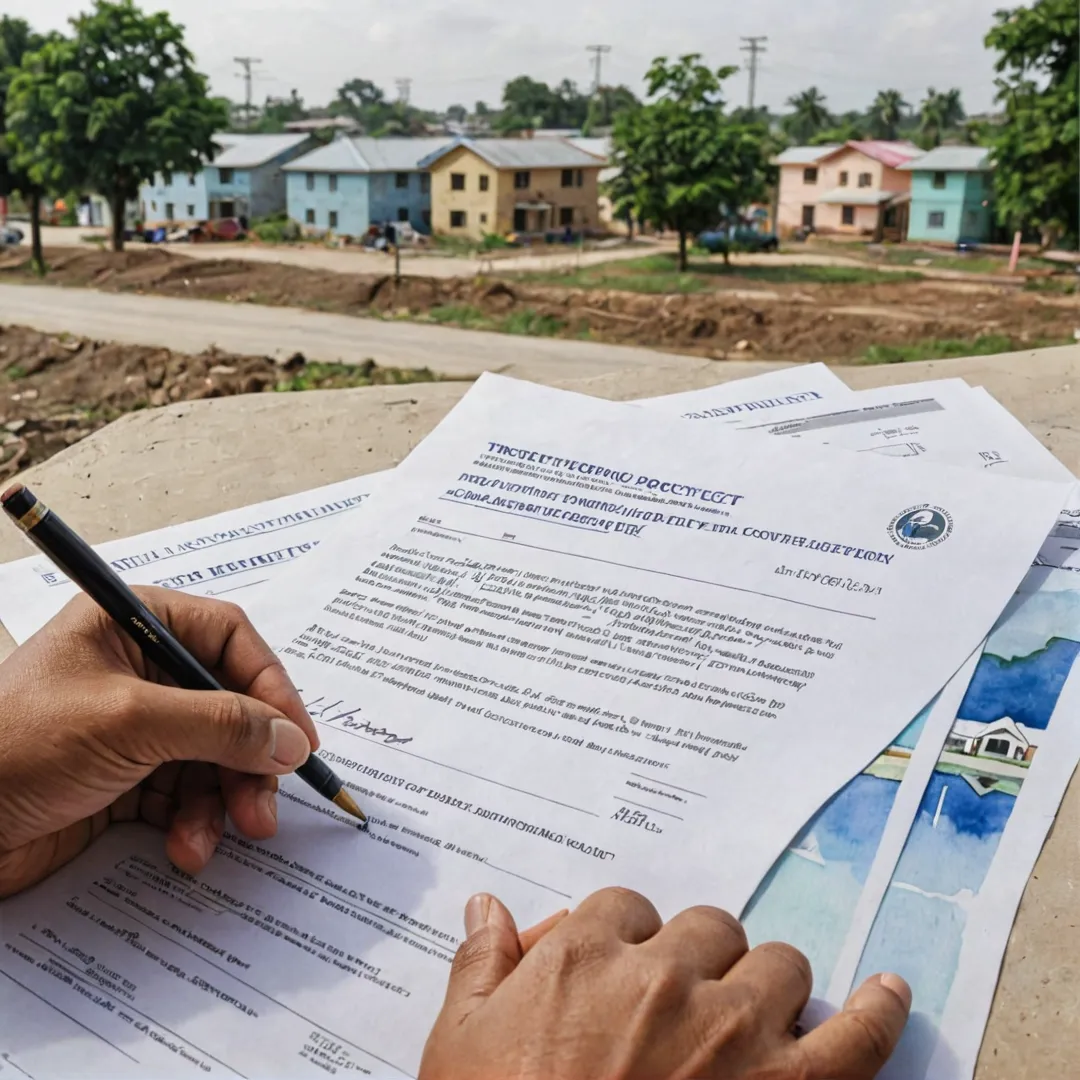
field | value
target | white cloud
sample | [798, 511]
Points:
[465, 51]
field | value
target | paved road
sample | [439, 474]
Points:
[194, 325]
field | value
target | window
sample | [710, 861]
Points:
[457, 219]
[309, 217]
[426, 218]
[809, 176]
[309, 179]
[843, 179]
[866, 179]
[566, 215]
[403, 213]
[847, 215]
[997, 746]
[483, 219]
[425, 183]
[521, 180]
[457, 181]
[153, 205]
[191, 180]
[485, 182]
[940, 181]
[808, 217]
[225, 176]
[579, 179]
[332, 181]
[568, 178]
[935, 219]
[168, 211]
[332, 219]
[971, 221]
[401, 180]
[190, 210]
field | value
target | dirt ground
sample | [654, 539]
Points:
[56, 390]
[836, 322]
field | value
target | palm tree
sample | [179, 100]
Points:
[932, 118]
[887, 112]
[808, 116]
[952, 109]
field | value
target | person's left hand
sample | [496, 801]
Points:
[92, 733]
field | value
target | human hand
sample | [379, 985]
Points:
[93, 733]
[611, 992]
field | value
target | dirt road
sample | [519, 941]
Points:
[194, 325]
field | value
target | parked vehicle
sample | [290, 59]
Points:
[737, 238]
[10, 236]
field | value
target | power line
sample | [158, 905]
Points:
[598, 52]
[404, 89]
[246, 63]
[755, 46]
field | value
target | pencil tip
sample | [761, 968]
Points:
[11, 492]
[347, 803]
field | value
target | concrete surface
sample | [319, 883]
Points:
[162, 466]
[194, 325]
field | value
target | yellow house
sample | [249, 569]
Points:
[527, 186]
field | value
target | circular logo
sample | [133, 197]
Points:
[921, 527]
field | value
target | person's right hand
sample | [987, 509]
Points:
[611, 993]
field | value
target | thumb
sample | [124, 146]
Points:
[490, 952]
[221, 727]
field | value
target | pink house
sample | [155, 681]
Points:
[856, 188]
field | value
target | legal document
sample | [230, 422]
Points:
[576, 645]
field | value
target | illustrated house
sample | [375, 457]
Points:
[1002, 738]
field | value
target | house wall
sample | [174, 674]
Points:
[961, 201]
[830, 218]
[186, 194]
[387, 200]
[795, 193]
[855, 162]
[479, 206]
[350, 201]
[237, 191]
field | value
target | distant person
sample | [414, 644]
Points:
[93, 734]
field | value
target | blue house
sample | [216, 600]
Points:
[354, 182]
[244, 179]
[951, 195]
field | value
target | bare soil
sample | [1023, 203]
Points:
[56, 390]
[784, 321]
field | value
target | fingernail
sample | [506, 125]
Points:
[897, 986]
[476, 913]
[290, 747]
[269, 806]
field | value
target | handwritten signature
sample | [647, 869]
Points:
[320, 709]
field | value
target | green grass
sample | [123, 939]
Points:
[947, 348]
[531, 323]
[320, 376]
[460, 315]
[524, 321]
[16, 371]
[1062, 284]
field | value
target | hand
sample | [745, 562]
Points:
[610, 992]
[92, 733]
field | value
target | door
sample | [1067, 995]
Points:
[808, 217]
[521, 221]
[169, 211]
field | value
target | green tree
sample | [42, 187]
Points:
[887, 114]
[1035, 147]
[605, 105]
[457, 113]
[277, 112]
[939, 114]
[808, 115]
[126, 103]
[684, 162]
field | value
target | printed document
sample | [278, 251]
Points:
[575, 645]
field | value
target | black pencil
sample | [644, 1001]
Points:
[76, 558]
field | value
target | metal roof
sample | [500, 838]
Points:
[248, 151]
[857, 196]
[951, 159]
[522, 154]
[804, 155]
[363, 154]
[598, 147]
[891, 153]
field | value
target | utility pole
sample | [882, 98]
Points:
[598, 52]
[755, 46]
[246, 63]
[404, 89]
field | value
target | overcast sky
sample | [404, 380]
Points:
[464, 50]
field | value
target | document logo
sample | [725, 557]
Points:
[920, 527]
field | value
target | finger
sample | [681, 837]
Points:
[222, 637]
[165, 723]
[621, 913]
[157, 809]
[199, 822]
[27, 865]
[528, 938]
[777, 977]
[251, 802]
[704, 940]
[490, 952]
[856, 1043]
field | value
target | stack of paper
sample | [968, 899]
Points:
[578, 643]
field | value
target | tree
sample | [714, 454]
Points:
[939, 113]
[125, 104]
[605, 105]
[808, 117]
[684, 162]
[277, 112]
[887, 113]
[457, 113]
[1035, 147]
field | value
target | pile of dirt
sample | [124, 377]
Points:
[813, 321]
[56, 390]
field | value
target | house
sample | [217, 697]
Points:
[356, 181]
[1004, 739]
[244, 179]
[801, 185]
[600, 146]
[525, 186]
[951, 195]
[863, 190]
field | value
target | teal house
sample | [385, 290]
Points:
[951, 195]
